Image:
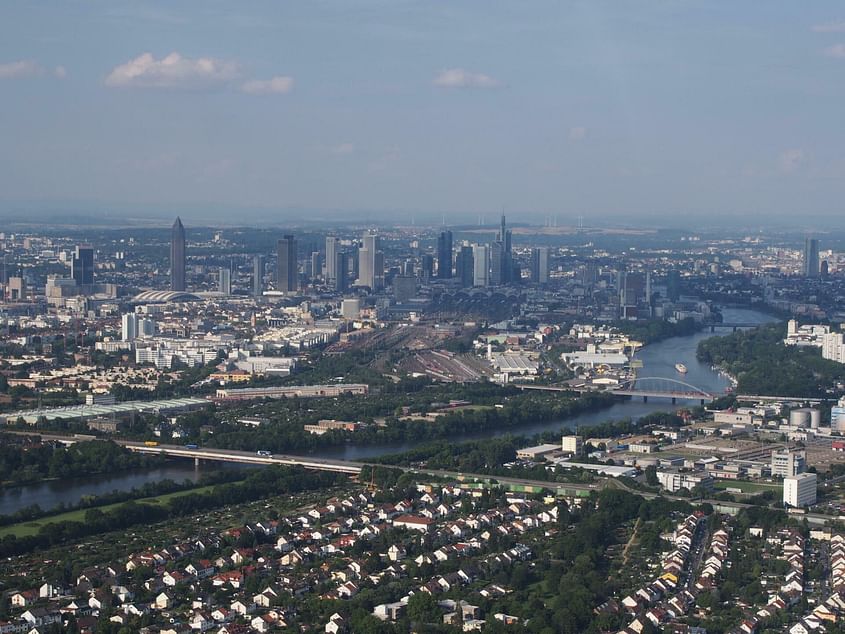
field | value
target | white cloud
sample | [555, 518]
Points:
[830, 27]
[577, 133]
[792, 159]
[460, 78]
[837, 50]
[275, 86]
[343, 148]
[60, 72]
[20, 68]
[173, 71]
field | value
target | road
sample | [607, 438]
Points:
[355, 468]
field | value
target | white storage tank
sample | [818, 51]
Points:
[805, 417]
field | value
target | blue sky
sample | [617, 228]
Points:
[619, 111]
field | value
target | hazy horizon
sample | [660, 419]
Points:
[659, 114]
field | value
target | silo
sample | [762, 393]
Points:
[799, 417]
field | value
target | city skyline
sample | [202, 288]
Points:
[614, 113]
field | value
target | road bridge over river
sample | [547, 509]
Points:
[571, 489]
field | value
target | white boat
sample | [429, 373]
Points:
[680, 367]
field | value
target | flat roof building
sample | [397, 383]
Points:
[799, 490]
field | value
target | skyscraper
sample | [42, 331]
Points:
[257, 274]
[224, 280]
[177, 256]
[82, 265]
[287, 267]
[426, 266]
[481, 265]
[444, 255]
[503, 273]
[497, 263]
[464, 266]
[371, 263]
[316, 265]
[331, 258]
[540, 265]
[341, 274]
[811, 257]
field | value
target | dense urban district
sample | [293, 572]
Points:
[414, 429]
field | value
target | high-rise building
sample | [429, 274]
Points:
[788, 463]
[82, 265]
[634, 289]
[481, 265]
[497, 263]
[673, 285]
[257, 274]
[367, 261]
[129, 327]
[811, 257]
[316, 265]
[287, 265]
[404, 288]
[444, 255]
[800, 490]
[331, 258]
[426, 267]
[464, 266]
[378, 271]
[16, 288]
[177, 256]
[837, 416]
[371, 263]
[224, 280]
[341, 272]
[503, 269]
[365, 267]
[540, 265]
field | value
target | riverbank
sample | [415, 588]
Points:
[658, 360]
[32, 527]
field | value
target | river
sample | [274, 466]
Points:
[658, 360]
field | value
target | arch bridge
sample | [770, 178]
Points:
[662, 387]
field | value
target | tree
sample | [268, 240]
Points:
[422, 608]
[651, 476]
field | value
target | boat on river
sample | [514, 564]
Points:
[680, 367]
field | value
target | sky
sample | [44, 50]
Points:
[618, 111]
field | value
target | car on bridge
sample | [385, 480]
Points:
[263, 453]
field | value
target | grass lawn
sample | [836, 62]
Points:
[747, 487]
[24, 529]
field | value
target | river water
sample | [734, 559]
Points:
[658, 360]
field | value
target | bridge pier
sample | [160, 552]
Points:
[645, 399]
[674, 400]
[712, 328]
[196, 462]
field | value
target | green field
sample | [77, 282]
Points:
[24, 529]
[746, 487]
